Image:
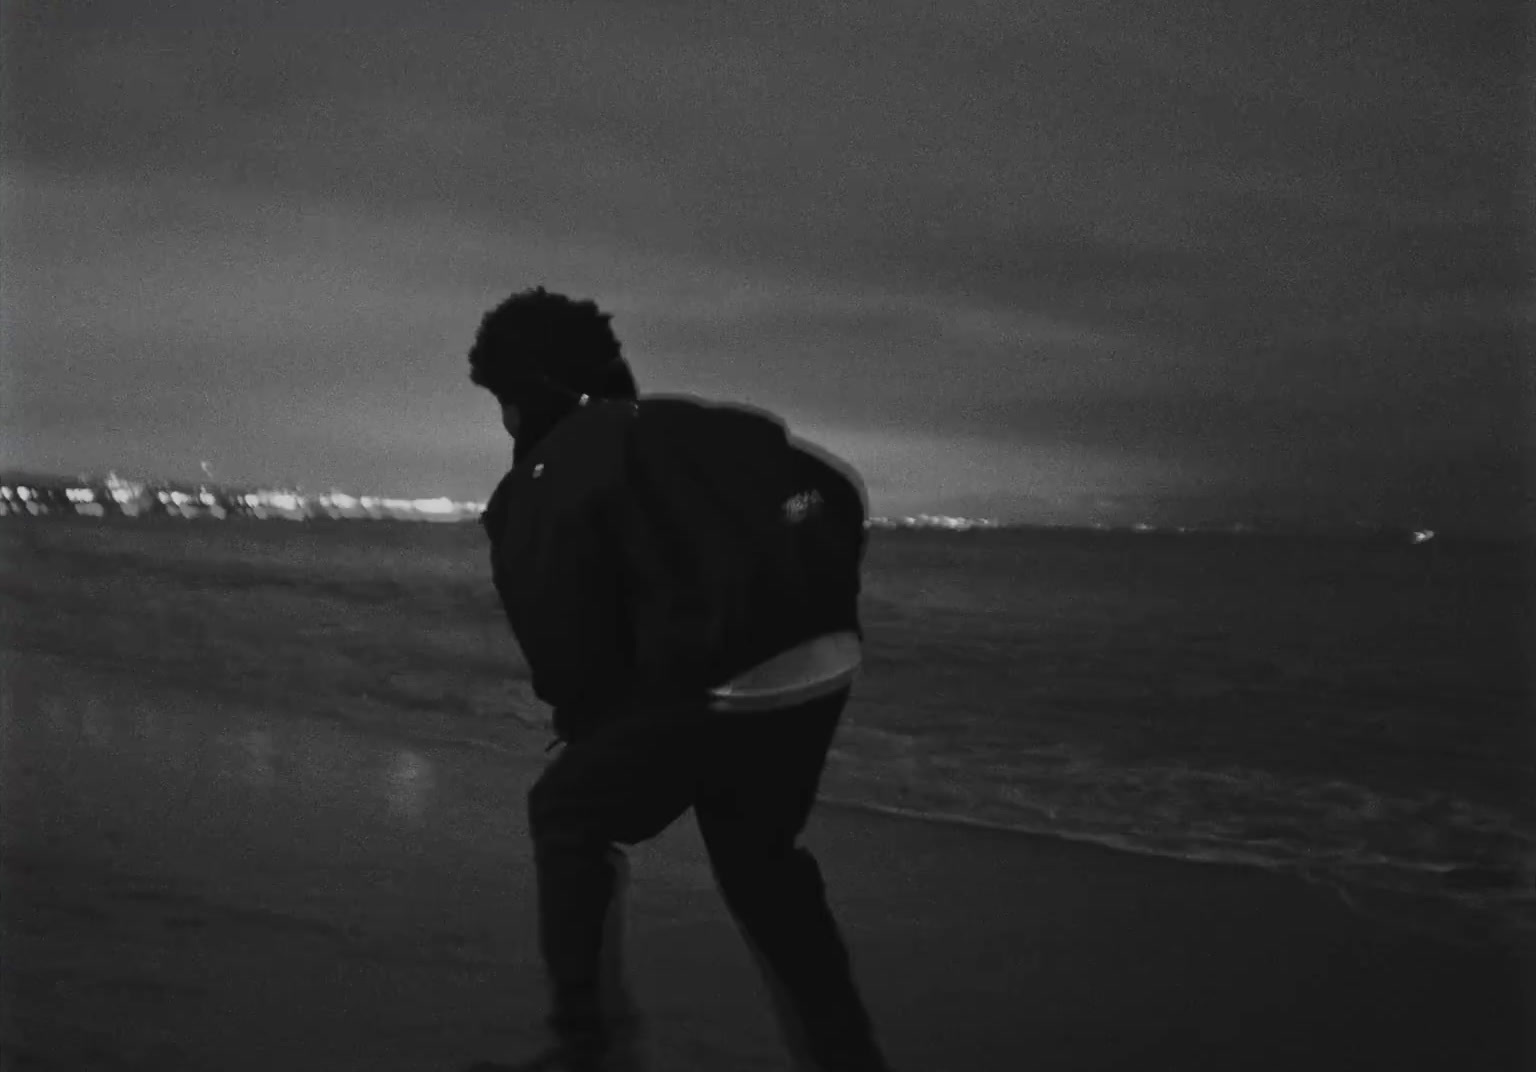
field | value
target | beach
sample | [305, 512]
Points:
[223, 855]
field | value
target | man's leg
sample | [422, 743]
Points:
[753, 804]
[623, 784]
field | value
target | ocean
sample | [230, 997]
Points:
[1354, 712]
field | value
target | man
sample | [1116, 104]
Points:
[581, 554]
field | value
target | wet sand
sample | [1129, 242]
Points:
[196, 882]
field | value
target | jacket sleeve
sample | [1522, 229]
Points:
[562, 586]
[834, 542]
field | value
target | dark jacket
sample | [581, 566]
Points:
[582, 569]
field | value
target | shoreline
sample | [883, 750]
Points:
[1436, 915]
[272, 890]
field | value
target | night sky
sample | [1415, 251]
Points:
[1047, 260]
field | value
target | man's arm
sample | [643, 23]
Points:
[561, 583]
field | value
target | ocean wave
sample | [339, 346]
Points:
[1437, 847]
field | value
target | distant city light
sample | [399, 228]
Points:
[933, 521]
[117, 496]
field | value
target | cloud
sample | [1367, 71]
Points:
[1198, 237]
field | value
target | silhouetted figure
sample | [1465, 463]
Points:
[679, 677]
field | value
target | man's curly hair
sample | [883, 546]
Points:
[535, 337]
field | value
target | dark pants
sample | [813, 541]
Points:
[751, 780]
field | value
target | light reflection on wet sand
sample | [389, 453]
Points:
[295, 758]
[408, 786]
[267, 863]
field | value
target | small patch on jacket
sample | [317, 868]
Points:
[801, 506]
[538, 470]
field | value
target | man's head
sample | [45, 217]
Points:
[539, 353]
